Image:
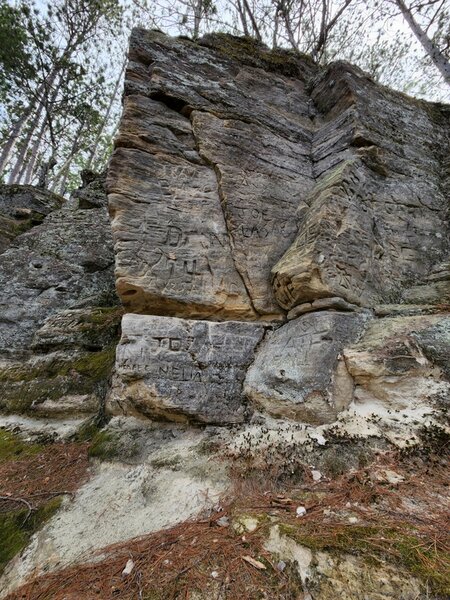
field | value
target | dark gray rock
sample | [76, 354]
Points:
[297, 373]
[21, 208]
[435, 344]
[58, 312]
[181, 370]
[92, 192]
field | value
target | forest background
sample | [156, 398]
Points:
[62, 63]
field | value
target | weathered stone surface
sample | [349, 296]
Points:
[321, 304]
[57, 330]
[332, 575]
[235, 165]
[68, 368]
[211, 163]
[392, 310]
[183, 370]
[401, 363]
[23, 207]
[91, 193]
[298, 374]
[377, 217]
[66, 262]
[434, 290]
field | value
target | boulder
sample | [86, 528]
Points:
[183, 370]
[401, 364]
[298, 372]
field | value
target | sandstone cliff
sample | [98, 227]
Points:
[260, 329]
[252, 186]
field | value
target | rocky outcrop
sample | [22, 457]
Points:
[281, 252]
[402, 364]
[21, 208]
[249, 185]
[59, 311]
[183, 370]
[266, 215]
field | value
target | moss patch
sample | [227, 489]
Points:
[22, 387]
[374, 543]
[17, 527]
[105, 446]
[12, 447]
[95, 365]
[247, 50]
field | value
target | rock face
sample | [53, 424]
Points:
[279, 233]
[253, 186]
[206, 179]
[297, 373]
[181, 370]
[376, 221]
[266, 215]
[59, 311]
[21, 208]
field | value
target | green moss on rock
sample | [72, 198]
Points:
[375, 543]
[248, 50]
[17, 527]
[104, 446]
[13, 447]
[22, 386]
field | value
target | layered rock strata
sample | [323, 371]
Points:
[253, 186]
[59, 313]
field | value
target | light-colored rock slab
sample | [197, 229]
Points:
[321, 304]
[402, 363]
[121, 501]
[183, 370]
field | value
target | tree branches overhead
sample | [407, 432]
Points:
[62, 64]
[53, 90]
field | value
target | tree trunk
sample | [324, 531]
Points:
[93, 151]
[11, 142]
[243, 18]
[20, 164]
[61, 176]
[248, 10]
[33, 155]
[433, 52]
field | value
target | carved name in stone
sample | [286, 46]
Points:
[298, 374]
[180, 370]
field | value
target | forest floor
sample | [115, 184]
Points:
[393, 511]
